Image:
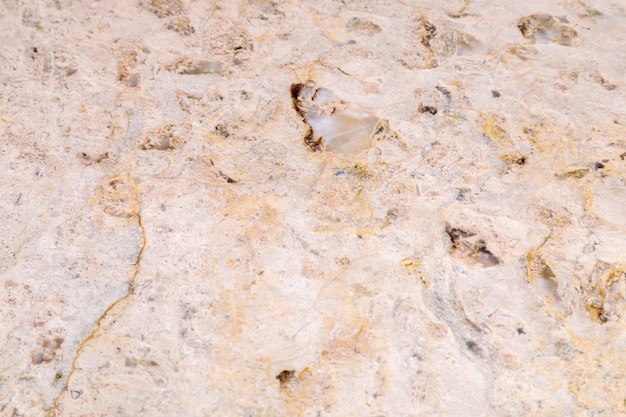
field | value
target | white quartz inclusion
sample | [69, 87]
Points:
[341, 130]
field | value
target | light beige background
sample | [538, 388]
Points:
[169, 246]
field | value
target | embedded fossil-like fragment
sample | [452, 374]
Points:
[470, 248]
[332, 126]
[544, 28]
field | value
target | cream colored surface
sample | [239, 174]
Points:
[170, 246]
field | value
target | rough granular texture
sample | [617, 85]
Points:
[175, 240]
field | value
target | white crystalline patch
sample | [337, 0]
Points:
[324, 97]
[341, 130]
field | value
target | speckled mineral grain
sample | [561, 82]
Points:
[312, 208]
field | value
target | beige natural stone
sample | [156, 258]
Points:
[186, 230]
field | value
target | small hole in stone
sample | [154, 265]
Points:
[472, 346]
[286, 376]
[470, 248]
[427, 109]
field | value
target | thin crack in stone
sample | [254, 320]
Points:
[57, 405]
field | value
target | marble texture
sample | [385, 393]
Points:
[172, 244]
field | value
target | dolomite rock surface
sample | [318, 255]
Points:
[174, 241]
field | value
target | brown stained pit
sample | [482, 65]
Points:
[297, 100]
[286, 376]
[469, 247]
[430, 32]
[227, 178]
[295, 90]
[427, 109]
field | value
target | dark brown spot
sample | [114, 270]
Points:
[524, 27]
[295, 90]
[315, 144]
[427, 109]
[286, 376]
[430, 32]
[227, 178]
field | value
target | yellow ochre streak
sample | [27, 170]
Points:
[57, 406]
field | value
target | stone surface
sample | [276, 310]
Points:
[171, 242]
